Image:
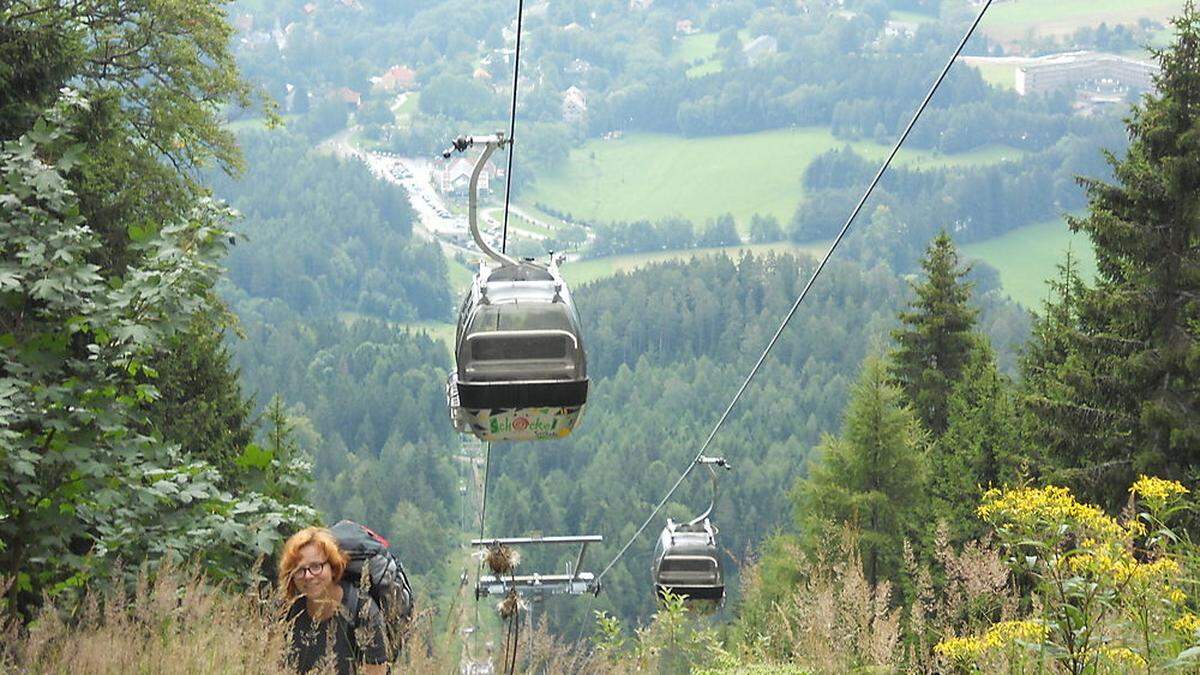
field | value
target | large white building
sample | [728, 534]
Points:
[1075, 70]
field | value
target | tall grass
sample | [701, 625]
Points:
[176, 622]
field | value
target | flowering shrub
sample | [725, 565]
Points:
[1106, 595]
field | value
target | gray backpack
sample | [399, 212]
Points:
[385, 580]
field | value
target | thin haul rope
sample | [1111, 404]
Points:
[845, 228]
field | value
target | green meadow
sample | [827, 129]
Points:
[652, 176]
[999, 75]
[699, 51]
[691, 48]
[1028, 256]
[1019, 19]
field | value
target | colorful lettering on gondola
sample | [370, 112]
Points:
[529, 423]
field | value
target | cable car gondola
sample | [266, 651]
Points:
[520, 366]
[687, 561]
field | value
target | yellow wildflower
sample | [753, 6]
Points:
[960, 649]
[1157, 490]
[1047, 509]
[1123, 657]
[1188, 623]
[1003, 634]
[1176, 596]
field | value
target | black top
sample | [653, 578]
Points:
[353, 635]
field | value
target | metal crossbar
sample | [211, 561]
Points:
[574, 582]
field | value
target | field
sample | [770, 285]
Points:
[460, 276]
[651, 176]
[1027, 256]
[999, 75]
[1019, 19]
[691, 48]
[699, 49]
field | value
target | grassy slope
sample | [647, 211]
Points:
[999, 75]
[1014, 20]
[701, 47]
[1027, 256]
[650, 176]
[689, 48]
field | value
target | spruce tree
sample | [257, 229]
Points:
[936, 336]
[980, 449]
[871, 476]
[1120, 398]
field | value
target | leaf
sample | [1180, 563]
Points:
[1187, 657]
[255, 457]
[138, 234]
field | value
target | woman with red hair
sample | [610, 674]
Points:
[334, 627]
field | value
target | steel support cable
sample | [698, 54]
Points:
[804, 293]
[512, 126]
[487, 465]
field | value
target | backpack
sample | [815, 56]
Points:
[385, 580]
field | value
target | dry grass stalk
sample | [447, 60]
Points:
[834, 621]
[543, 653]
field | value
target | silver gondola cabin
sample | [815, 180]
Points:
[687, 563]
[520, 367]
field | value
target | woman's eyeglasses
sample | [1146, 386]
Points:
[311, 570]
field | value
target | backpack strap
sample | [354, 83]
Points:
[352, 601]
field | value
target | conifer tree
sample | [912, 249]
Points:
[871, 476]
[1121, 398]
[980, 449]
[936, 335]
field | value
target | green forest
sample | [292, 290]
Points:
[205, 346]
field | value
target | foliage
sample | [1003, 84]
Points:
[175, 621]
[1107, 595]
[981, 447]
[830, 619]
[326, 237]
[1111, 378]
[871, 476]
[200, 405]
[675, 640]
[85, 479]
[936, 337]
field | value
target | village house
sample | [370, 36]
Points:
[574, 105]
[759, 48]
[455, 176]
[348, 96]
[685, 27]
[397, 78]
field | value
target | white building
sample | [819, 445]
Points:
[1074, 70]
[574, 105]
